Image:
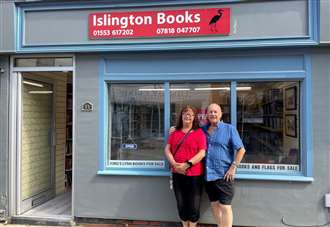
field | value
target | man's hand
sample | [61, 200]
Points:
[172, 129]
[230, 174]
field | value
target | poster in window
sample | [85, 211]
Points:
[291, 98]
[291, 125]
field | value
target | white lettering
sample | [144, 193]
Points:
[197, 18]
[180, 19]
[187, 17]
[161, 18]
[123, 22]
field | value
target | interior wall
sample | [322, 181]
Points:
[60, 89]
[35, 144]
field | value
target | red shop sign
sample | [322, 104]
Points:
[165, 23]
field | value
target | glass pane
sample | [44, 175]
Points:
[37, 109]
[43, 62]
[200, 96]
[136, 121]
[268, 122]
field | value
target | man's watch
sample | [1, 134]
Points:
[189, 163]
[234, 163]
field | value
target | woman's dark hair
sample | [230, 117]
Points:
[195, 124]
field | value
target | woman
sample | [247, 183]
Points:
[185, 150]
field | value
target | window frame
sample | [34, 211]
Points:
[303, 76]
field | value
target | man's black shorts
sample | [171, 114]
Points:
[220, 190]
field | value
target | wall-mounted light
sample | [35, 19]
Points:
[32, 83]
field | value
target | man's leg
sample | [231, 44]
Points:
[185, 223]
[216, 213]
[192, 224]
[227, 215]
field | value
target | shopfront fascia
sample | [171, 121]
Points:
[252, 24]
[199, 68]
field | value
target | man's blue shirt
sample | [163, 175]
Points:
[222, 144]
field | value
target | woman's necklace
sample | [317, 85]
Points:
[185, 130]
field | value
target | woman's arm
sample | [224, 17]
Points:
[169, 155]
[196, 159]
[179, 167]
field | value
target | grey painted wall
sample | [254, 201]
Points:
[7, 32]
[248, 21]
[325, 21]
[4, 106]
[261, 203]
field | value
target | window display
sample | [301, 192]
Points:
[267, 119]
[200, 96]
[136, 125]
[268, 122]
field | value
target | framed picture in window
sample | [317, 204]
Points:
[291, 125]
[291, 98]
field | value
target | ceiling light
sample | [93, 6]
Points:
[244, 88]
[211, 88]
[151, 89]
[221, 88]
[162, 89]
[32, 83]
[40, 92]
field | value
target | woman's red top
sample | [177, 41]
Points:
[193, 143]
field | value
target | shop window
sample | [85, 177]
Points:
[200, 96]
[136, 118]
[268, 120]
[136, 125]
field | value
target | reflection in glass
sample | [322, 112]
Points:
[200, 96]
[136, 122]
[268, 122]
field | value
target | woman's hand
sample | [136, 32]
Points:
[181, 168]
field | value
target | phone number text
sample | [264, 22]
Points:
[116, 32]
[180, 30]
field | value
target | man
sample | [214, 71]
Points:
[221, 164]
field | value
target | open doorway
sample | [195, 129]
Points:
[44, 166]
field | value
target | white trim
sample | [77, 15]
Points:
[42, 69]
[73, 137]
[12, 143]
[18, 141]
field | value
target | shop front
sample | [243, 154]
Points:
[114, 77]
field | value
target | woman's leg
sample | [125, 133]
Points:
[179, 187]
[194, 199]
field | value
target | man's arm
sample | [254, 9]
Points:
[230, 174]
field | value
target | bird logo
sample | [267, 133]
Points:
[214, 20]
